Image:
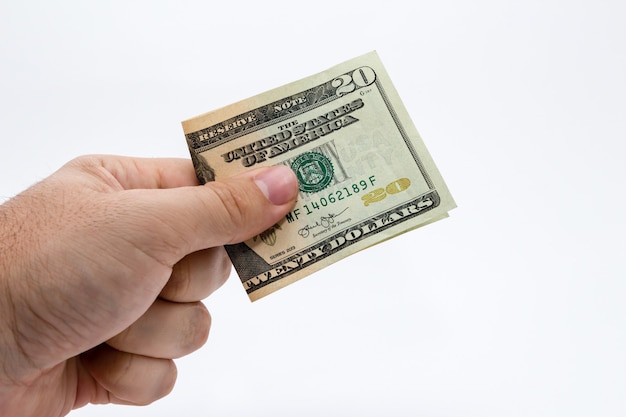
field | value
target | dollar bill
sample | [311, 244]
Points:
[364, 173]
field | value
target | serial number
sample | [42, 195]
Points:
[332, 198]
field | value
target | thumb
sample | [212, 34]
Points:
[233, 209]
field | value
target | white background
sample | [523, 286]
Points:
[514, 306]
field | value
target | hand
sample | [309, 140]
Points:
[102, 269]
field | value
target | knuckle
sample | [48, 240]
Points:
[196, 330]
[168, 379]
[163, 384]
[234, 205]
[180, 280]
[225, 268]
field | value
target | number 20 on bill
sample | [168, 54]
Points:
[380, 194]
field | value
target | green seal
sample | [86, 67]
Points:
[314, 171]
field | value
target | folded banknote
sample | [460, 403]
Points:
[364, 173]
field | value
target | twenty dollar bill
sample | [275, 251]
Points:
[363, 171]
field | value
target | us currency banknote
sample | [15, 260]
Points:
[364, 173]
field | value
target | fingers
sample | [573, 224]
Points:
[126, 378]
[167, 330]
[177, 324]
[197, 275]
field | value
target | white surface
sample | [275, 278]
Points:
[514, 306]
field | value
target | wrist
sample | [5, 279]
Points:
[12, 355]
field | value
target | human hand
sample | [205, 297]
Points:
[102, 269]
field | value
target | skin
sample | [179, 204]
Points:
[102, 269]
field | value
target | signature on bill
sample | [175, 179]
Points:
[324, 223]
